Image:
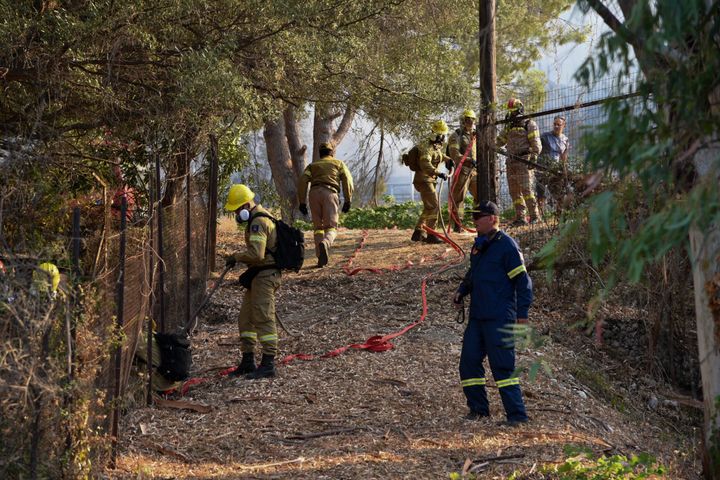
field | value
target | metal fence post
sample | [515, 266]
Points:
[161, 255]
[212, 205]
[120, 295]
[188, 240]
[149, 337]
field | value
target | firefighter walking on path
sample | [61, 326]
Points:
[522, 138]
[430, 155]
[462, 144]
[500, 292]
[325, 176]
[256, 320]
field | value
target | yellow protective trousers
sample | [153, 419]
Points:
[325, 210]
[520, 185]
[430, 204]
[256, 321]
[466, 179]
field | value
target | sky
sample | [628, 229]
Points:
[560, 63]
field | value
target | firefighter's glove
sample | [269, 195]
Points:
[458, 300]
[442, 175]
[533, 158]
[230, 261]
[303, 208]
[346, 206]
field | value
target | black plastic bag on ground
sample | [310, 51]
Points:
[175, 356]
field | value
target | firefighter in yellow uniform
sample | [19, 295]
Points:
[462, 145]
[262, 279]
[325, 176]
[430, 156]
[522, 137]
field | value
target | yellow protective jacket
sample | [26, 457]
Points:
[260, 240]
[458, 144]
[327, 171]
[429, 158]
[522, 138]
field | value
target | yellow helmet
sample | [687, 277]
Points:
[238, 196]
[439, 127]
[469, 113]
[49, 278]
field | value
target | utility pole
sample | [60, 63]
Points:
[487, 164]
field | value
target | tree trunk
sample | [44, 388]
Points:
[378, 165]
[281, 167]
[294, 139]
[705, 250]
[324, 129]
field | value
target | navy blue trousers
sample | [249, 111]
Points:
[484, 338]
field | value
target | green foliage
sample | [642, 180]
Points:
[583, 466]
[402, 215]
[648, 143]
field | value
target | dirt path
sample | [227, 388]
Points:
[396, 414]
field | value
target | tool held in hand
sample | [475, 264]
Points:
[206, 299]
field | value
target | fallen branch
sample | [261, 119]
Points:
[168, 451]
[182, 405]
[326, 433]
[273, 464]
[499, 457]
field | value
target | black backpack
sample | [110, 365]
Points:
[411, 159]
[289, 253]
[175, 356]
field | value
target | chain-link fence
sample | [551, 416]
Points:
[73, 347]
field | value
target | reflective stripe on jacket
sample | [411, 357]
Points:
[522, 138]
[429, 158]
[497, 281]
[260, 236]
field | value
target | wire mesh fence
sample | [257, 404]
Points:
[91, 325]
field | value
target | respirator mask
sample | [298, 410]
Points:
[242, 215]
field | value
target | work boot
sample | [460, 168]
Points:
[457, 229]
[323, 254]
[246, 365]
[417, 236]
[513, 423]
[432, 239]
[476, 416]
[265, 370]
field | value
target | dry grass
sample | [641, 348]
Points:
[397, 414]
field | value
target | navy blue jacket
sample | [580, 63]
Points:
[497, 281]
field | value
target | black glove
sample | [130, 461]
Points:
[230, 261]
[303, 208]
[442, 175]
[533, 158]
[346, 206]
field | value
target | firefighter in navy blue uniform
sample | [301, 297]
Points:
[500, 295]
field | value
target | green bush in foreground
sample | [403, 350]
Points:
[581, 465]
